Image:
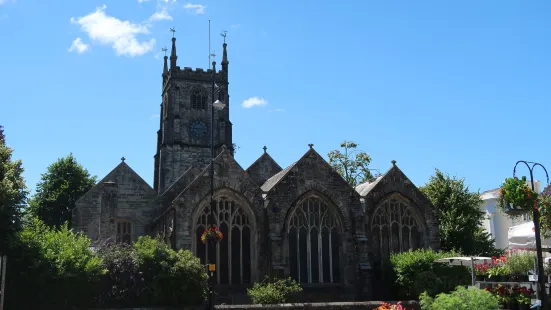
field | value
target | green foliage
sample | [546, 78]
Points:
[351, 164]
[461, 218]
[52, 268]
[518, 193]
[520, 262]
[59, 188]
[273, 291]
[13, 193]
[461, 298]
[417, 272]
[173, 278]
[123, 285]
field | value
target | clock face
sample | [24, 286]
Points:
[198, 129]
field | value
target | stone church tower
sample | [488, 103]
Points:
[304, 221]
[185, 119]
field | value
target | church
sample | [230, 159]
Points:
[304, 221]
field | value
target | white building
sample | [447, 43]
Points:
[497, 223]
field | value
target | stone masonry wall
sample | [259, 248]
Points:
[120, 195]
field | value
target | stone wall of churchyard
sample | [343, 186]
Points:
[414, 305]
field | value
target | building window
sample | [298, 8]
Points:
[313, 232]
[233, 253]
[198, 98]
[124, 231]
[394, 229]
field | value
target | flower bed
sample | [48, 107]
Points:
[513, 296]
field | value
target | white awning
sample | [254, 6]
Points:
[523, 237]
[463, 261]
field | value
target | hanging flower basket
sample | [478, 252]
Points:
[516, 197]
[212, 234]
[544, 206]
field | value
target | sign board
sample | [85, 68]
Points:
[533, 278]
[212, 267]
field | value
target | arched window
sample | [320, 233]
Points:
[233, 253]
[198, 98]
[394, 229]
[314, 243]
[124, 231]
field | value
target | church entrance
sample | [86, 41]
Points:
[234, 252]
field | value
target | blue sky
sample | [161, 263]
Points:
[462, 86]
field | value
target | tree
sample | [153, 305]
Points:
[59, 188]
[13, 193]
[351, 164]
[52, 269]
[461, 217]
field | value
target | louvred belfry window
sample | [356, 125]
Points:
[198, 98]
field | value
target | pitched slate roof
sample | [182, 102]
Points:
[364, 188]
[271, 182]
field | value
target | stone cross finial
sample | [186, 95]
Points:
[123, 159]
[393, 162]
[264, 148]
[164, 49]
[310, 145]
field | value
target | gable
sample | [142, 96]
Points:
[394, 181]
[122, 174]
[310, 167]
[263, 168]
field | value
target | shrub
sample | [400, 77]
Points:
[461, 298]
[52, 268]
[520, 262]
[174, 278]
[273, 291]
[123, 285]
[417, 272]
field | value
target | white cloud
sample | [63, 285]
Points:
[78, 46]
[142, 1]
[120, 35]
[160, 15]
[196, 8]
[278, 110]
[154, 116]
[235, 26]
[254, 102]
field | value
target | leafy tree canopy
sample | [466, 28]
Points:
[350, 163]
[59, 188]
[461, 217]
[13, 193]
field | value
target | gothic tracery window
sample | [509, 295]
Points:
[394, 229]
[314, 243]
[233, 253]
[198, 98]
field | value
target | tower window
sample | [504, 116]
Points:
[198, 98]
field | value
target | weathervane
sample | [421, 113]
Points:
[173, 31]
[224, 34]
[164, 49]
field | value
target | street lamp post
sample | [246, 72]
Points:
[216, 105]
[536, 217]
